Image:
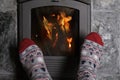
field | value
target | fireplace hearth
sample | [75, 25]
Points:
[57, 27]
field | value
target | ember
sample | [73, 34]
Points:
[69, 40]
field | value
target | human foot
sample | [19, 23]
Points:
[31, 57]
[91, 53]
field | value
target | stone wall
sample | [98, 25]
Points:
[8, 38]
[105, 20]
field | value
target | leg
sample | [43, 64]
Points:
[32, 60]
[91, 53]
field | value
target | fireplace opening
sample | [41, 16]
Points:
[55, 29]
[58, 28]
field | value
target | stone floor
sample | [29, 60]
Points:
[105, 19]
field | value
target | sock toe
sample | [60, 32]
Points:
[32, 59]
[26, 42]
[93, 36]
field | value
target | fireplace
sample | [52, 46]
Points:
[57, 27]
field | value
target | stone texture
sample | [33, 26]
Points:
[7, 77]
[105, 23]
[7, 5]
[8, 38]
[7, 41]
[105, 20]
[104, 4]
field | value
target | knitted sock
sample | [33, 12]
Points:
[32, 60]
[91, 53]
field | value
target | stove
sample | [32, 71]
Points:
[58, 27]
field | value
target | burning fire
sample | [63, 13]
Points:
[62, 21]
[48, 27]
[56, 39]
[69, 40]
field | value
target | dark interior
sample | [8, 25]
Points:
[55, 29]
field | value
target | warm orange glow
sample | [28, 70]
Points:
[53, 15]
[48, 27]
[56, 39]
[69, 40]
[63, 21]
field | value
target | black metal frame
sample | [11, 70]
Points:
[84, 1]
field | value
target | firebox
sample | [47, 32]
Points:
[57, 27]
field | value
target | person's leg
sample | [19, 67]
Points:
[32, 60]
[91, 53]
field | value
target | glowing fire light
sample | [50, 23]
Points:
[56, 39]
[69, 40]
[63, 21]
[53, 15]
[48, 27]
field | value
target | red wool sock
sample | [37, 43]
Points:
[95, 37]
[90, 56]
[31, 57]
[25, 43]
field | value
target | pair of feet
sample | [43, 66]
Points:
[32, 59]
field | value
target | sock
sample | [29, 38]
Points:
[32, 60]
[91, 53]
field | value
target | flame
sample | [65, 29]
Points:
[56, 39]
[69, 40]
[53, 15]
[48, 27]
[63, 21]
